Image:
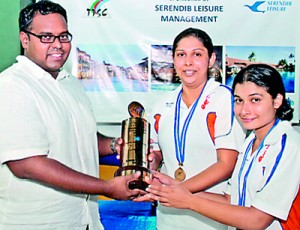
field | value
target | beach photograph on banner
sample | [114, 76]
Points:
[118, 68]
[163, 74]
[281, 58]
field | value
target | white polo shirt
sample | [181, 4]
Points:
[274, 176]
[43, 116]
[200, 147]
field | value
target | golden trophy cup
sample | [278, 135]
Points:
[135, 147]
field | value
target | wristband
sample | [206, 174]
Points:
[113, 145]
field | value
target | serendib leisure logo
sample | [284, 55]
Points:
[269, 6]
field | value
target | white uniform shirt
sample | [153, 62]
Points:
[200, 147]
[43, 116]
[274, 177]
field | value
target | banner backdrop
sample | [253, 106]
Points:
[122, 49]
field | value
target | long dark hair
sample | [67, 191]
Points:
[265, 76]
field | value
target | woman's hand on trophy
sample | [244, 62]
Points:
[155, 159]
[144, 197]
[157, 178]
[175, 196]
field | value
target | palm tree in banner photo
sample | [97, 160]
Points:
[252, 57]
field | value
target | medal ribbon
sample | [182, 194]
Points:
[180, 138]
[242, 191]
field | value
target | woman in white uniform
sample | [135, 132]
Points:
[195, 131]
[263, 192]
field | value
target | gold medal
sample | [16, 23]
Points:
[179, 174]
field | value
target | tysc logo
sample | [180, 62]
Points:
[97, 9]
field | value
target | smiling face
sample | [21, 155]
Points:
[49, 56]
[191, 62]
[255, 108]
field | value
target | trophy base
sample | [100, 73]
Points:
[139, 183]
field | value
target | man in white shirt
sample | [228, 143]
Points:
[49, 145]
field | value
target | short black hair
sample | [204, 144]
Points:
[43, 7]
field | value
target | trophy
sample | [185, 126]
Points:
[135, 147]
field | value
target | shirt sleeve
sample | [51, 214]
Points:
[229, 133]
